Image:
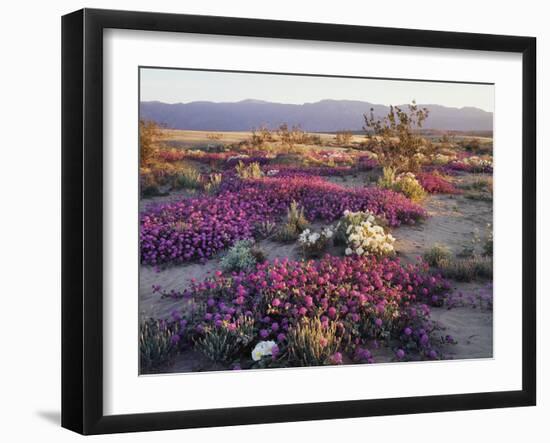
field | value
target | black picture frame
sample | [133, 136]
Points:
[82, 217]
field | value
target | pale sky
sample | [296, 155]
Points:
[184, 86]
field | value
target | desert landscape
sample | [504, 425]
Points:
[280, 247]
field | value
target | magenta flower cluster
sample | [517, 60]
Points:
[366, 163]
[368, 299]
[460, 166]
[197, 228]
[323, 200]
[436, 184]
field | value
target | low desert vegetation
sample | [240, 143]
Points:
[314, 244]
[307, 241]
[249, 171]
[149, 133]
[242, 256]
[343, 137]
[394, 138]
[296, 223]
[158, 343]
[468, 265]
[405, 183]
[480, 188]
[225, 344]
[438, 255]
[311, 343]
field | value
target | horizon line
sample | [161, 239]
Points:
[310, 103]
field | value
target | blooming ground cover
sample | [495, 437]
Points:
[198, 228]
[436, 183]
[361, 302]
[325, 309]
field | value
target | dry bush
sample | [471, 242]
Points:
[295, 135]
[394, 138]
[261, 136]
[149, 133]
[250, 171]
[296, 222]
[214, 136]
[343, 137]
[311, 343]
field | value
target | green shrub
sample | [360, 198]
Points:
[408, 185]
[287, 233]
[468, 265]
[388, 178]
[481, 188]
[475, 146]
[343, 137]
[310, 343]
[242, 256]
[252, 170]
[265, 229]
[213, 183]
[152, 191]
[481, 184]
[296, 222]
[479, 195]
[188, 178]
[468, 269]
[225, 343]
[405, 183]
[158, 344]
[437, 255]
[149, 187]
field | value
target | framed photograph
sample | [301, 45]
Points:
[270, 221]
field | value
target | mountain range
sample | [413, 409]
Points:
[321, 116]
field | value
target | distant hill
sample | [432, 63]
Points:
[324, 115]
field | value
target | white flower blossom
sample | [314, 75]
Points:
[368, 238]
[262, 349]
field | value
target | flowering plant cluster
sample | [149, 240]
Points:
[331, 157]
[407, 184]
[481, 299]
[473, 164]
[366, 162]
[323, 200]
[442, 159]
[264, 349]
[436, 184]
[197, 228]
[367, 301]
[367, 238]
[314, 243]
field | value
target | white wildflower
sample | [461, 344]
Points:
[262, 349]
